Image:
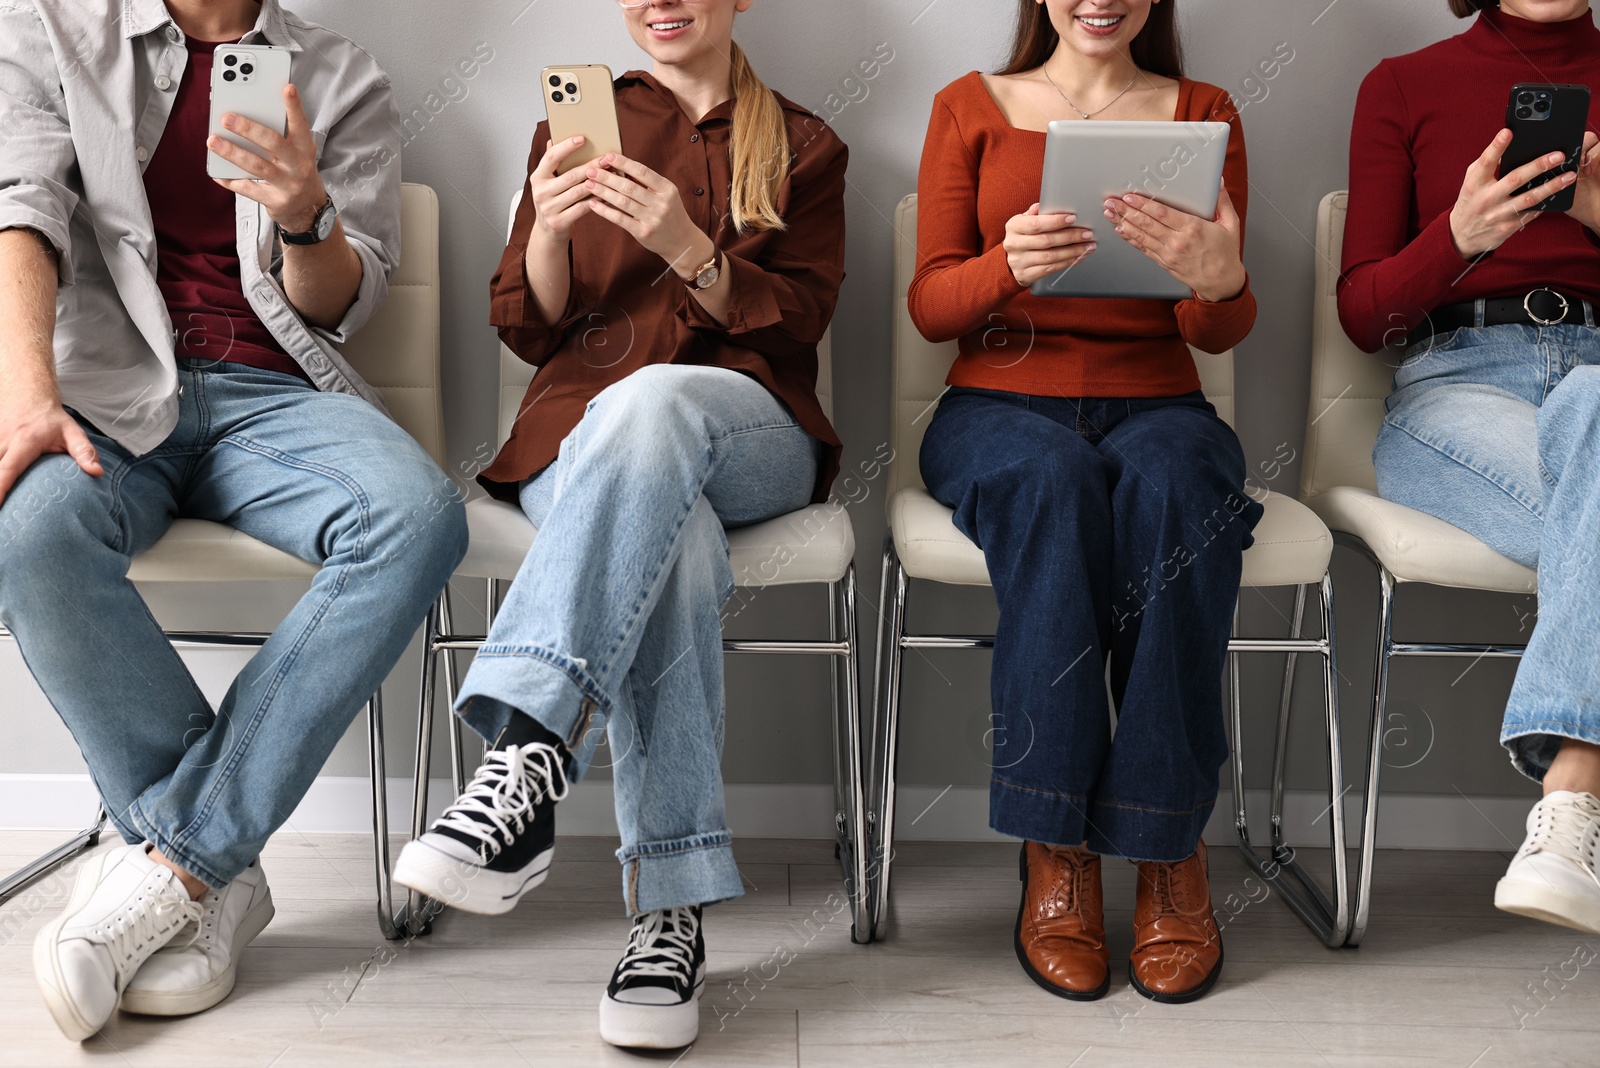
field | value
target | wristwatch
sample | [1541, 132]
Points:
[707, 274]
[321, 227]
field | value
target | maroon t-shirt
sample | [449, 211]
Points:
[197, 238]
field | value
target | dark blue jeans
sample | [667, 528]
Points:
[1114, 531]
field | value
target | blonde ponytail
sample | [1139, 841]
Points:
[759, 149]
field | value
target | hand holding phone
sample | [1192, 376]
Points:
[1543, 120]
[581, 102]
[246, 80]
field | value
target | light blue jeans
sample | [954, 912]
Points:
[614, 622]
[324, 476]
[1496, 430]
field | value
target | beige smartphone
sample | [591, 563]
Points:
[580, 100]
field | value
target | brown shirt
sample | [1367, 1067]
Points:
[629, 309]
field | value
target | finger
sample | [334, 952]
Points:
[561, 202]
[617, 200]
[1042, 224]
[559, 185]
[1591, 153]
[1539, 194]
[564, 219]
[82, 450]
[636, 170]
[1226, 215]
[1057, 239]
[1155, 219]
[1489, 162]
[610, 214]
[242, 158]
[11, 468]
[1155, 234]
[1161, 213]
[556, 154]
[621, 183]
[271, 141]
[298, 129]
[244, 187]
[1528, 172]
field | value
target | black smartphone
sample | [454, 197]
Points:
[1544, 119]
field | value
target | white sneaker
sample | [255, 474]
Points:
[191, 974]
[1553, 876]
[124, 907]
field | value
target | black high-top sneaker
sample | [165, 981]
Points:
[495, 843]
[653, 999]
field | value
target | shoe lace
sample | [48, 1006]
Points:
[140, 922]
[1569, 830]
[661, 944]
[495, 805]
[1070, 874]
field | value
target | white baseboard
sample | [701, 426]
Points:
[342, 805]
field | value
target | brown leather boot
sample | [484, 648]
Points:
[1177, 949]
[1061, 931]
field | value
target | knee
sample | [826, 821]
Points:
[652, 406]
[48, 519]
[420, 523]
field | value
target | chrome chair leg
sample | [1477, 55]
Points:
[393, 923]
[1380, 699]
[857, 882]
[1329, 920]
[1281, 735]
[81, 842]
[420, 908]
[458, 771]
[888, 729]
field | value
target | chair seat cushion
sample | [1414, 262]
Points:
[1417, 547]
[195, 550]
[815, 544]
[1292, 546]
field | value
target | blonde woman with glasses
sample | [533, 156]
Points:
[673, 299]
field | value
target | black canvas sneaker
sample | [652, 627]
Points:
[495, 843]
[653, 999]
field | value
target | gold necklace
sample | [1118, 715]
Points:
[1080, 111]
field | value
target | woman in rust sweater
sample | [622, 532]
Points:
[1077, 450]
[673, 300]
[1492, 425]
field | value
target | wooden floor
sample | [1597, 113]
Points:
[1443, 978]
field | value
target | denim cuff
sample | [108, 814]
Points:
[179, 855]
[553, 688]
[698, 870]
[1533, 746]
[1112, 828]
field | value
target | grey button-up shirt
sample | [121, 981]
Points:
[86, 88]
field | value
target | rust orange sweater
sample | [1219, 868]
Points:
[977, 172]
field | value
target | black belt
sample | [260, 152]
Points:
[1540, 307]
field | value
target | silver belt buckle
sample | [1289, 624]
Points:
[1527, 307]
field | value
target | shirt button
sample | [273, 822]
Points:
[141, 153]
[172, 34]
[693, 138]
[699, 192]
[163, 82]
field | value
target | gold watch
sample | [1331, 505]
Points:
[707, 274]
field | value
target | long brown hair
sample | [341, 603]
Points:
[1468, 8]
[760, 150]
[1155, 49]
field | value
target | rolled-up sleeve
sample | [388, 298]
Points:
[37, 157]
[782, 303]
[360, 165]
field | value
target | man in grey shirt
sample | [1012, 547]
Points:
[168, 348]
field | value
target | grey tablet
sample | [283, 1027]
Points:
[1177, 163]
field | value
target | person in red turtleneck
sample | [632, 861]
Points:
[1494, 423]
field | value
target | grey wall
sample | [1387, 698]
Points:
[473, 149]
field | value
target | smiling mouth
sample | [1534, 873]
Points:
[1100, 22]
[666, 27]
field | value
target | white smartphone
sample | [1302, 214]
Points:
[246, 80]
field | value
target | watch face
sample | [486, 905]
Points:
[325, 220]
[707, 278]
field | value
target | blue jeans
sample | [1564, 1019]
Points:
[323, 476]
[613, 622]
[1113, 530]
[1496, 430]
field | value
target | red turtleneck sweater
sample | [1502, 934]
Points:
[1420, 120]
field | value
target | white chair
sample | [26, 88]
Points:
[819, 544]
[398, 354]
[1292, 548]
[1337, 481]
